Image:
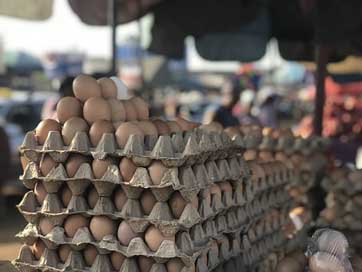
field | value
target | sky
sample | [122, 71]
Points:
[62, 32]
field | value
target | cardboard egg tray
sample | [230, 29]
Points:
[174, 150]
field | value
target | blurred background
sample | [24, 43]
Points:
[247, 62]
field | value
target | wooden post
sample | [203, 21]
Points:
[112, 17]
[322, 54]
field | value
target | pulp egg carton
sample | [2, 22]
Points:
[233, 265]
[344, 222]
[186, 178]
[174, 150]
[285, 143]
[348, 181]
[268, 143]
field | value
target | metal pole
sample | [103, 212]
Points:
[322, 54]
[112, 17]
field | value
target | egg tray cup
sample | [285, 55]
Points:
[174, 150]
[345, 222]
[346, 186]
[227, 248]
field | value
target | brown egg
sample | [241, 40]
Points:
[124, 131]
[108, 87]
[71, 127]
[174, 265]
[148, 201]
[145, 263]
[250, 154]
[120, 199]
[63, 252]
[101, 226]
[131, 112]
[118, 111]
[73, 223]
[325, 262]
[97, 130]
[92, 198]
[40, 192]
[66, 196]
[38, 249]
[96, 108]
[45, 225]
[289, 264]
[300, 257]
[185, 124]
[100, 167]
[85, 87]
[154, 238]
[73, 163]
[24, 162]
[47, 164]
[125, 233]
[232, 131]
[173, 126]
[162, 127]
[177, 204]
[225, 186]
[141, 106]
[212, 127]
[147, 127]
[215, 190]
[43, 129]
[67, 108]
[127, 169]
[117, 260]
[90, 254]
[157, 170]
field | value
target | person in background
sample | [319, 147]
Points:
[49, 107]
[223, 113]
[266, 109]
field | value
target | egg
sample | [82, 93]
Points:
[92, 198]
[74, 222]
[120, 198]
[131, 112]
[124, 131]
[40, 192]
[73, 163]
[215, 190]
[43, 129]
[66, 196]
[141, 106]
[174, 265]
[100, 167]
[117, 260]
[154, 238]
[145, 263]
[250, 154]
[289, 264]
[47, 164]
[148, 201]
[185, 124]
[118, 111]
[108, 87]
[148, 128]
[225, 186]
[97, 130]
[24, 162]
[67, 108]
[177, 204]
[63, 252]
[117, 124]
[38, 249]
[96, 108]
[101, 226]
[300, 257]
[325, 262]
[125, 234]
[85, 87]
[127, 169]
[232, 131]
[173, 126]
[207, 198]
[90, 254]
[157, 170]
[212, 127]
[45, 225]
[162, 127]
[71, 127]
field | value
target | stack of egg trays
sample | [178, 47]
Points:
[189, 174]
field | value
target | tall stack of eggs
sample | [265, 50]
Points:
[112, 190]
[344, 203]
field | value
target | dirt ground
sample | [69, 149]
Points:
[11, 222]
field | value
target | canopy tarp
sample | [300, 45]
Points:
[36, 10]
